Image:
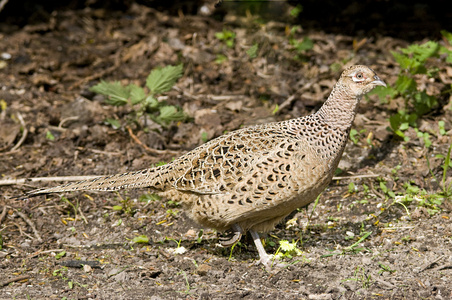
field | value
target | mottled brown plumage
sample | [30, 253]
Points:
[250, 179]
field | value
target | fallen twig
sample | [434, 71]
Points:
[150, 150]
[15, 279]
[356, 176]
[429, 264]
[24, 133]
[43, 252]
[385, 283]
[31, 224]
[2, 216]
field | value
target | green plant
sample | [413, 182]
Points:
[353, 136]
[385, 268]
[143, 102]
[300, 46]
[424, 136]
[252, 51]
[414, 60]
[50, 136]
[226, 36]
[187, 284]
[287, 249]
[441, 128]
[74, 207]
[149, 198]
[295, 12]
[360, 275]
[126, 205]
[447, 164]
[141, 239]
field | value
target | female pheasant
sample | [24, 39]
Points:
[250, 179]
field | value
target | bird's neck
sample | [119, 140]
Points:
[340, 108]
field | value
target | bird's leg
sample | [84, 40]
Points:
[265, 259]
[237, 234]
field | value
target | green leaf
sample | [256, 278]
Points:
[149, 197]
[113, 123]
[162, 80]
[404, 61]
[424, 103]
[252, 51]
[221, 59]
[50, 136]
[60, 255]
[353, 134]
[405, 85]
[294, 12]
[117, 94]
[447, 35]
[137, 94]
[171, 113]
[141, 239]
[422, 52]
[286, 245]
[384, 92]
[117, 207]
[151, 103]
[305, 44]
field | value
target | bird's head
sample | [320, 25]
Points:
[360, 79]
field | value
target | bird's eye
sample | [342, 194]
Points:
[359, 77]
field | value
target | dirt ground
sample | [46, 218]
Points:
[359, 242]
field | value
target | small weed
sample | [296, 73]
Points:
[221, 59]
[74, 207]
[141, 239]
[354, 248]
[141, 101]
[61, 273]
[299, 46]
[179, 249]
[295, 12]
[441, 127]
[385, 268]
[187, 284]
[389, 193]
[226, 36]
[60, 255]
[252, 51]
[126, 205]
[287, 249]
[200, 234]
[360, 276]
[353, 134]
[171, 212]
[50, 136]
[149, 198]
[447, 164]
[173, 204]
[204, 137]
[424, 137]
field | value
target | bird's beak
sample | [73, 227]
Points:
[378, 81]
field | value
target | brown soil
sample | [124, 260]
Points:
[46, 82]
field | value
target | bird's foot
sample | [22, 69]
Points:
[270, 261]
[237, 235]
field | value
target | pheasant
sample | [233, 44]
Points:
[251, 178]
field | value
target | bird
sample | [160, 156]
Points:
[250, 179]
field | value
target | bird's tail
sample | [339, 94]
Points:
[158, 178]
